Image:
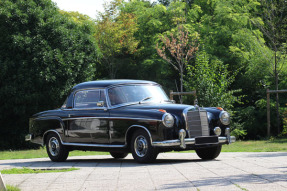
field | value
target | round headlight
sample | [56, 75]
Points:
[224, 118]
[217, 131]
[168, 120]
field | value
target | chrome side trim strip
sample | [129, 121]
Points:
[94, 145]
[47, 117]
[82, 144]
[189, 141]
[156, 120]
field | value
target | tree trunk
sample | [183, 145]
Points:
[112, 70]
[277, 96]
[181, 82]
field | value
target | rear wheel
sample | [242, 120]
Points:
[56, 151]
[141, 147]
[209, 153]
[118, 155]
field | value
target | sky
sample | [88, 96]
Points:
[87, 7]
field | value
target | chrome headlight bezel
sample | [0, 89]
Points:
[168, 120]
[217, 131]
[224, 118]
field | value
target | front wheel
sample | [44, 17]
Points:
[141, 147]
[118, 155]
[209, 153]
[56, 151]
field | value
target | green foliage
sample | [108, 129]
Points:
[284, 130]
[115, 36]
[238, 133]
[45, 51]
[238, 69]
[254, 119]
[211, 80]
[43, 54]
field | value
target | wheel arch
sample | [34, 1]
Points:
[132, 129]
[51, 131]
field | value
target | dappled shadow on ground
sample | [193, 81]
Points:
[273, 154]
[281, 169]
[104, 162]
[228, 180]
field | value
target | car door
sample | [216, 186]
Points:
[88, 120]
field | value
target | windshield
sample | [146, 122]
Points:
[136, 93]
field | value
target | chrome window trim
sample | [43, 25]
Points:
[131, 83]
[129, 103]
[90, 108]
[93, 108]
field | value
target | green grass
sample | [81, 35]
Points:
[276, 145]
[12, 188]
[41, 153]
[25, 170]
[272, 145]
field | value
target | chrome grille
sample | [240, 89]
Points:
[197, 123]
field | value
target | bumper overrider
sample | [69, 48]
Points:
[28, 137]
[207, 140]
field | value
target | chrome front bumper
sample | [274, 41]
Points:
[28, 137]
[182, 142]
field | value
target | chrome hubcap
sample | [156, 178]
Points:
[141, 146]
[54, 146]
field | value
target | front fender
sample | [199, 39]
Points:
[40, 125]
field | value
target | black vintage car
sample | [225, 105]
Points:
[123, 116]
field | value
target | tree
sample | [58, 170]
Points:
[115, 35]
[43, 54]
[180, 48]
[79, 18]
[273, 24]
[212, 80]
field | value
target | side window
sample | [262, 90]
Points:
[64, 106]
[88, 98]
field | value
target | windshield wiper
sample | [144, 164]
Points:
[144, 99]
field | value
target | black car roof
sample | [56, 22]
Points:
[107, 83]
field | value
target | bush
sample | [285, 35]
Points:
[43, 54]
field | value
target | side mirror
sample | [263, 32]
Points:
[100, 103]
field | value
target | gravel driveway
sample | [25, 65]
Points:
[172, 171]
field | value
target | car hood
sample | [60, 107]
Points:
[169, 107]
[175, 109]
